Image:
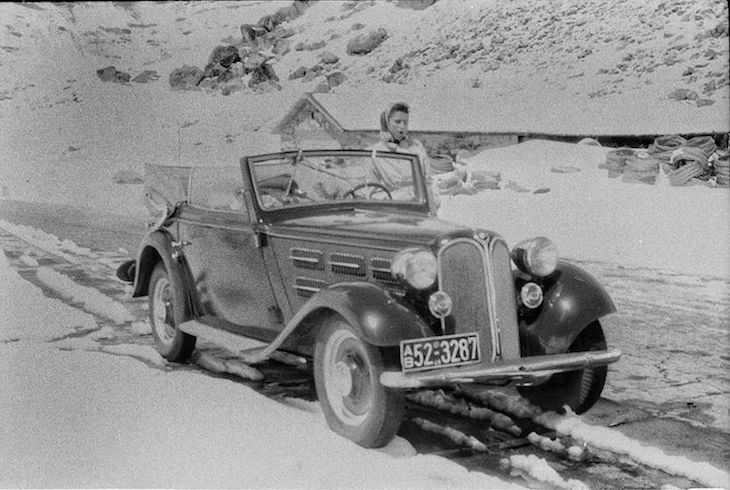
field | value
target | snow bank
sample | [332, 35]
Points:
[26, 314]
[90, 299]
[593, 217]
[65, 248]
[616, 442]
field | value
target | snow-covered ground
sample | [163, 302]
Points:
[76, 413]
[65, 135]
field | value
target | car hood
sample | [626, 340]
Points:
[395, 229]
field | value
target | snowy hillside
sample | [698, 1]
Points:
[67, 135]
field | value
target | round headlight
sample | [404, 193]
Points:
[415, 266]
[538, 256]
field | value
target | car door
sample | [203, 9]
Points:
[220, 247]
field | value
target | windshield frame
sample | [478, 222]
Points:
[419, 204]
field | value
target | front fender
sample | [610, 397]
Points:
[156, 247]
[572, 300]
[376, 315]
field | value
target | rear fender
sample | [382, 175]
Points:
[378, 318]
[157, 247]
[572, 300]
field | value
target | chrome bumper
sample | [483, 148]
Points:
[522, 370]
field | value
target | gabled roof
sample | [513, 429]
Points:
[470, 111]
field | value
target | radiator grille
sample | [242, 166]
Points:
[463, 277]
[505, 301]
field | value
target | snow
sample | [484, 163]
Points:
[90, 299]
[592, 217]
[618, 443]
[66, 135]
[118, 422]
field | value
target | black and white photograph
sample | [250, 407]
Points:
[367, 244]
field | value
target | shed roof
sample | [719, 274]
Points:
[464, 111]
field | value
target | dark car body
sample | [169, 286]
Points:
[257, 264]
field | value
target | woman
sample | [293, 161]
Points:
[394, 137]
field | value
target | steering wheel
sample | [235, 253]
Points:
[376, 185]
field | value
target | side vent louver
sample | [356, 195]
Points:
[380, 269]
[307, 259]
[351, 265]
[307, 287]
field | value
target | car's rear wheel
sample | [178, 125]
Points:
[347, 377]
[579, 389]
[167, 309]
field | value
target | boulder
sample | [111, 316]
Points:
[683, 94]
[269, 22]
[250, 33]
[335, 79]
[329, 57]
[298, 73]
[111, 74]
[224, 55]
[365, 43]
[186, 77]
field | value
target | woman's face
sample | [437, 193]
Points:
[398, 125]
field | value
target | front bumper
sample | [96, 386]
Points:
[524, 370]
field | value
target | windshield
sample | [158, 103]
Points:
[302, 178]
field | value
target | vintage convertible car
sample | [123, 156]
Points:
[335, 255]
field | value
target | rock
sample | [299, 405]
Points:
[357, 26]
[397, 66]
[314, 46]
[224, 55]
[261, 74]
[704, 102]
[329, 58]
[127, 177]
[298, 73]
[683, 94]
[415, 4]
[250, 33]
[146, 76]
[365, 43]
[269, 22]
[709, 87]
[212, 70]
[186, 77]
[111, 74]
[688, 71]
[335, 79]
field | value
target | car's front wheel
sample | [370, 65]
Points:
[167, 309]
[347, 377]
[579, 389]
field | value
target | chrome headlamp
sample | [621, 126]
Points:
[538, 256]
[415, 266]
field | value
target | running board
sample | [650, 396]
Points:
[252, 351]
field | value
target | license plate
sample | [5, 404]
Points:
[439, 352]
